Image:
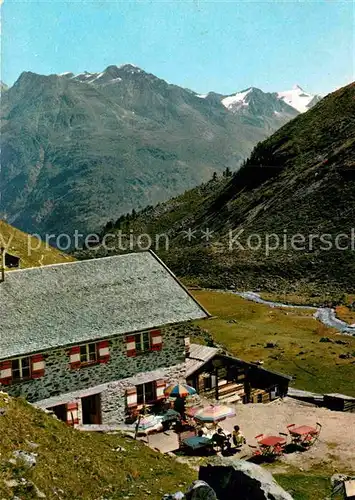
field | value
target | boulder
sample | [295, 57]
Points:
[233, 479]
[200, 490]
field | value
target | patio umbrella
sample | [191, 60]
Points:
[179, 390]
[192, 410]
[214, 413]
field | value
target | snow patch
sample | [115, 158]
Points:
[297, 98]
[236, 99]
[97, 77]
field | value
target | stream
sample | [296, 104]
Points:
[324, 314]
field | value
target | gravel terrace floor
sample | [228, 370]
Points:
[335, 447]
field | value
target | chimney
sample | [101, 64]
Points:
[2, 250]
[187, 347]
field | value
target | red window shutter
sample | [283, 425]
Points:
[159, 389]
[37, 366]
[103, 351]
[131, 397]
[74, 357]
[5, 372]
[131, 345]
[156, 340]
[72, 413]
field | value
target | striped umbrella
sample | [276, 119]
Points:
[214, 413]
[179, 390]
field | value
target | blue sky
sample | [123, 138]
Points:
[220, 46]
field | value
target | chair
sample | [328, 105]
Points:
[310, 439]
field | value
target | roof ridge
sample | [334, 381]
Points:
[56, 264]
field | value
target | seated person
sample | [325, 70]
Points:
[238, 438]
[221, 439]
[200, 433]
[204, 430]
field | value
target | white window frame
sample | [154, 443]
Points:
[141, 335]
[87, 353]
[20, 370]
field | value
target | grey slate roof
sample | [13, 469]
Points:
[64, 304]
[199, 356]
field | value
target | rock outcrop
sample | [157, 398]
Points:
[230, 479]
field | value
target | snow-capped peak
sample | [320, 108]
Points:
[132, 68]
[110, 75]
[237, 100]
[298, 98]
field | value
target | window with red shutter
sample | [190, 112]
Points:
[131, 345]
[5, 372]
[74, 357]
[37, 366]
[72, 413]
[103, 350]
[21, 369]
[156, 340]
[131, 397]
[159, 389]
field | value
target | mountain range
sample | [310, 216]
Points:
[78, 149]
[292, 203]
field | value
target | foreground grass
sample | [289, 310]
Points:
[305, 486]
[72, 464]
[315, 484]
[244, 328]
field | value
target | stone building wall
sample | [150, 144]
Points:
[113, 394]
[60, 379]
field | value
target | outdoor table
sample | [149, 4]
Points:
[303, 429]
[270, 446]
[169, 417]
[304, 434]
[272, 441]
[197, 442]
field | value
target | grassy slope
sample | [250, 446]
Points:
[21, 244]
[82, 465]
[346, 314]
[306, 486]
[318, 369]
